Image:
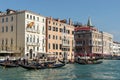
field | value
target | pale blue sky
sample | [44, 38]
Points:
[105, 14]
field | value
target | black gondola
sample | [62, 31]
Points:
[40, 66]
[56, 65]
[8, 65]
[31, 67]
[85, 62]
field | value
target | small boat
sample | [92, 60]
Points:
[31, 67]
[85, 62]
[56, 65]
[8, 65]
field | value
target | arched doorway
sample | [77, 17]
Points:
[31, 52]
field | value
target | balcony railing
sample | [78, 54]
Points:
[78, 44]
[32, 30]
[32, 43]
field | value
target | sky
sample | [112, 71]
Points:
[104, 14]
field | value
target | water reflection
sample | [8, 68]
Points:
[109, 70]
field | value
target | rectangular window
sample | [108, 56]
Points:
[11, 28]
[49, 45]
[60, 46]
[2, 29]
[33, 17]
[2, 20]
[43, 20]
[30, 16]
[12, 18]
[68, 31]
[53, 36]
[49, 36]
[56, 46]
[11, 41]
[53, 46]
[37, 48]
[49, 22]
[27, 16]
[6, 19]
[56, 29]
[37, 18]
[72, 32]
[6, 28]
[49, 28]
[53, 28]
[60, 30]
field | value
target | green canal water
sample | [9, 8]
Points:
[108, 70]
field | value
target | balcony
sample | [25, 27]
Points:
[65, 44]
[33, 43]
[32, 30]
[78, 44]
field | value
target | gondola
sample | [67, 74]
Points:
[56, 65]
[40, 66]
[31, 67]
[85, 62]
[8, 65]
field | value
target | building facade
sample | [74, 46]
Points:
[92, 41]
[116, 48]
[60, 38]
[22, 32]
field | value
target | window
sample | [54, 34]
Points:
[11, 28]
[53, 46]
[12, 18]
[11, 41]
[30, 16]
[56, 46]
[34, 39]
[53, 28]
[33, 17]
[37, 18]
[53, 36]
[60, 46]
[43, 20]
[6, 28]
[49, 22]
[56, 37]
[56, 29]
[2, 29]
[49, 27]
[37, 48]
[68, 31]
[57, 53]
[27, 38]
[27, 16]
[49, 36]
[2, 20]
[6, 41]
[43, 29]
[30, 38]
[38, 40]
[49, 45]
[60, 30]
[6, 19]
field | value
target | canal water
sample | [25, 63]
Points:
[108, 70]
